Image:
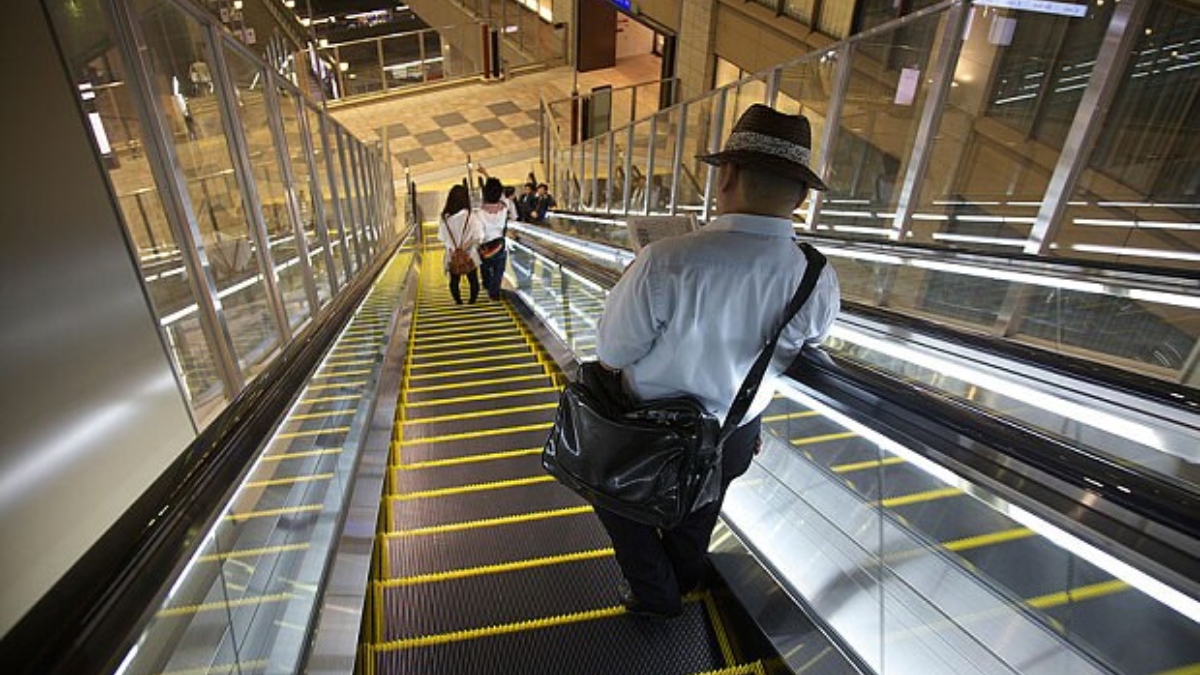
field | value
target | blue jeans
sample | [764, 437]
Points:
[492, 270]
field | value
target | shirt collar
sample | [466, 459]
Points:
[771, 226]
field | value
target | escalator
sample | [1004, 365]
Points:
[484, 564]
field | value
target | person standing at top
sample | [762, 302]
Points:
[459, 229]
[542, 202]
[689, 317]
[493, 217]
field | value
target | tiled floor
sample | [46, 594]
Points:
[496, 123]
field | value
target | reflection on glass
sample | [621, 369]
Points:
[331, 229]
[174, 44]
[291, 280]
[116, 127]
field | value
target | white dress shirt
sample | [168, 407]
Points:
[691, 313]
[467, 232]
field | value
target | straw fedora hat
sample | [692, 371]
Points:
[765, 138]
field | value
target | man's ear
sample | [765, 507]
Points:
[727, 176]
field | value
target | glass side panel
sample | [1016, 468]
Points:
[118, 131]
[331, 228]
[666, 134]
[360, 66]
[302, 173]
[889, 81]
[350, 212]
[402, 64]
[1018, 73]
[174, 41]
[689, 196]
[1139, 199]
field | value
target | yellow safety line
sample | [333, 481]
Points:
[503, 629]
[314, 432]
[252, 552]
[500, 568]
[470, 459]
[1077, 594]
[982, 540]
[335, 385]
[467, 489]
[714, 619]
[322, 415]
[488, 522]
[324, 375]
[433, 349]
[752, 668]
[810, 440]
[516, 352]
[476, 337]
[330, 399]
[289, 481]
[474, 383]
[355, 362]
[484, 413]
[274, 512]
[1192, 669]
[482, 397]
[436, 323]
[869, 464]
[473, 371]
[918, 497]
[240, 666]
[482, 433]
[209, 606]
[470, 327]
[791, 416]
[298, 455]
[521, 345]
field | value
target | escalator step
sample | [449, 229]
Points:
[615, 644]
[438, 477]
[499, 545]
[413, 514]
[494, 385]
[518, 417]
[476, 443]
[468, 402]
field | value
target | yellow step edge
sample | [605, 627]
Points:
[718, 626]
[323, 415]
[516, 345]
[471, 459]
[474, 383]
[482, 397]
[790, 416]
[1077, 594]
[428, 322]
[313, 432]
[289, 481]
[918, 497]
[355, 362]
[752, 668]
[482, 433]
[311, 508]
[488, 522]
[429, 328]
[516, 352]
[494, 412]
[186, 610]
[824, 438]
[468, 489]
[502, 629]
[336, 385]
[425, 350]
[476, 337]
[253, 552]
[500, 568]
[474, 371]
[300, 455]
[330, 399]
[869, 464]
[982, 540]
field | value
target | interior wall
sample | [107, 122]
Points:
[633, 38]
[93, 411]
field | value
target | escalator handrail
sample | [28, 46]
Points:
[1022, 465]
[91, 616]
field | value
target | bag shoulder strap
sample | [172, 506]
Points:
[450, 231]
[749, 388]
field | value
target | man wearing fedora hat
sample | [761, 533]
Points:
[689, 317]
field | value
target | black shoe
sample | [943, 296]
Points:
[634, 607]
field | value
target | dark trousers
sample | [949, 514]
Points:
[472, 281]
[492, 271]
[661, 565]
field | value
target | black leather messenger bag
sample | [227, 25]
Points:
[654, 462]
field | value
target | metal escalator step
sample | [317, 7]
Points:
[503, 544]
[419, 393]
[453, 362]
[438, 477]
[468, 402]
[478, 373]
[617, 645]
[502, 598]
[438, 511]
[480, 421]
[477, 443]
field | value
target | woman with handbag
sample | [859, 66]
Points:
[460, 233]
[493, 252]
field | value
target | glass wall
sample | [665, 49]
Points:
[222, 197]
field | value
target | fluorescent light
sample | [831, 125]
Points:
[1137, 252]
[885, 258]
[1008, 275]
[1137, 224]
[877, 231]
[967, 238]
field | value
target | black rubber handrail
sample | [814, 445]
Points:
[90, 618]
[1021, 464]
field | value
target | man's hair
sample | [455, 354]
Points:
[543, 185]
[509, 191]
[761, 186]
[492, 189]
